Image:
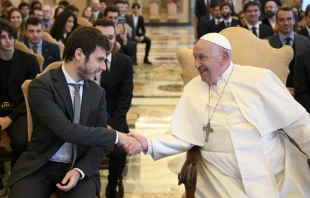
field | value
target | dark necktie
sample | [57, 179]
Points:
[106, 61]
[288, 41]
[207, 6]
[254, 31]
[35, 49]
[76, 118]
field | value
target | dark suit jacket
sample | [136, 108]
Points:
[221, 26]
[264, 31]
[140, 29]
[24, 66]
[304, 32]
[266, 22]
[100, 15]
[50, 52]
[302, 79]
[118, 84]
[301, 44]
[127, 49]
[205, 26]
[200, 7]
[52, 115]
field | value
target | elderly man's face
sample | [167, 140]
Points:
[208, 61]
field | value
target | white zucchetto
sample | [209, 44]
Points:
[217, 39]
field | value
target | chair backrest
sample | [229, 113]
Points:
[85, 22]
[49, 38]
[247, 49]
[172, 11]
[21, 46]
[25, 87]
[154, 11]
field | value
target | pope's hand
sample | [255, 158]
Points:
[130, 144]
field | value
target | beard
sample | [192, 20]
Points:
[270, 14]
[226, 15]
[84, 72]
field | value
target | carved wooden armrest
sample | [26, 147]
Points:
[188, 174]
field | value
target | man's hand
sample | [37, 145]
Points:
[141, 139]
[130, 145]
[69, 181]
[5, 122]
[139, 38]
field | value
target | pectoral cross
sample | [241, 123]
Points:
[208, 130]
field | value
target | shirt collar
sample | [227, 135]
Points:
[283, 37]
[38, 44]
[226, 74]
[109, 57]
[229, 20]
[69, 79]
[256, 25]
[308, 28]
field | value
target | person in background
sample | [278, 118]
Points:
[47, 17]
[16, 19]
[35, 3]
[87, 12]
[103, 5]
[36, 12]
[58, 10]
[64, 24]
[73, 9]
[24, 9]
[271, 9]
[241, 19]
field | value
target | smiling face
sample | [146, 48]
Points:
[109, 32]
[252, 14]
[210, 61]
[285, 22]
[69, 25]
[87, 70]
[16, 19]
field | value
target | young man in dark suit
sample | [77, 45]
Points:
[207, 25]
[34, 33]
[286, 36]
[252, 14]
[69, 118]
[302, 79]
[15, 67]
[117, 81]
[139, 26]
[306, 30]
[228, 21]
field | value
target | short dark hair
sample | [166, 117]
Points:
[33, 4]
[7, 26]
[285, 9]
[7, 4]
[225, 4]
[33, 21]
[251, 3]
[103, 1]
[110, 9]
[72, 8]
[86, 38]
[135, 5]
[33, 9]
[64, 3]
[117, 2]
[103, 23]
[23, 4]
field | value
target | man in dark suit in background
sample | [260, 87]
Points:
[252, 14]
[117, 81]
[202, 8]
[228, 21]
[306, 30]
[15, 67]
[271, 9]
[285, 21]
[139, 26]
[302, 79]
[69, 118]
[34, 33]
[207, 25]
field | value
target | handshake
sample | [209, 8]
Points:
[132, 143]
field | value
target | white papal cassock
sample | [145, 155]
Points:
[246, 155]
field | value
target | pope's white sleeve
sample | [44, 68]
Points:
[300, 132]
[164, 145]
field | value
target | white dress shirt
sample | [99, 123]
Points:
[257, 28]
[98, 75]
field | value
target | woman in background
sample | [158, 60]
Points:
[16, 19]
[87, 12]
[64, 24]
[58, 10]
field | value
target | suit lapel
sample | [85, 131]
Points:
[44, 50]
[86, 103]
[62, 88]
[14, 70]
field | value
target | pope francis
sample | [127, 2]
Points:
[234, 114]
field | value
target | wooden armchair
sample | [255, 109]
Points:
[49, 38]
[247, 49]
